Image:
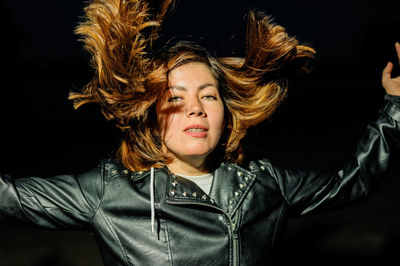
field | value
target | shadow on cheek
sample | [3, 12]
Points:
[165, 119]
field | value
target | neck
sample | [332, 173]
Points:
[188, 167]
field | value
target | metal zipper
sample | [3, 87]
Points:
[233, 228]
[235, 247]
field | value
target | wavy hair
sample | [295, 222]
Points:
[130, 76]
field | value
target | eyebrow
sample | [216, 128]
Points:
[181, 88]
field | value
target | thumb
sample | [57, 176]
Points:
[387, 71]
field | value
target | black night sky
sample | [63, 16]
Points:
[318, 126]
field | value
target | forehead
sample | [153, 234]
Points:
[191, 72]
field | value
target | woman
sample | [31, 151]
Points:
[182, 191]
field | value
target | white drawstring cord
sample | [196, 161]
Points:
[153, 215]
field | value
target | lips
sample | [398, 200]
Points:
[197, 131]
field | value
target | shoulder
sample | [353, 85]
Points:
[94, 182]
[111, 168]
[257, 164]
[262, 169]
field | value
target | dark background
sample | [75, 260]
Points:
[318, 126]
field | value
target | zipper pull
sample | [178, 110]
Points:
[235, 234]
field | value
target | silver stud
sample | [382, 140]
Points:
[251, 167]
[174, 176]
[113, 172]
[204, 197]
[246, 178]
[212, 201]
[126, 171]
[174, 184]
[239, 174]
[184, 194]
[194, 194]
[242, 185]
[173, 192]
[262, 167]
[231, 202]
[229, 168]
[237, 193]
[140, 172]
[220, 218]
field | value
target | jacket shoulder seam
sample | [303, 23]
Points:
[115, 236]
[102, 171]
[271, 172]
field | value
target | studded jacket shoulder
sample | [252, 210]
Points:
[237, 223]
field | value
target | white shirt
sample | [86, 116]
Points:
[203, 181]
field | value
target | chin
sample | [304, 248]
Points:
[197, 150]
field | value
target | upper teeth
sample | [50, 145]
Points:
[195, 129]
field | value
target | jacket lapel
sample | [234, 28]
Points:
[230, 186]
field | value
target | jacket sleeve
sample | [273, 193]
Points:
[60, 202]
[310, 190]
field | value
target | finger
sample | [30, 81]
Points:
[387, 72]
[397, 45]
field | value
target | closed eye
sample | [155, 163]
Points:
[174, 99]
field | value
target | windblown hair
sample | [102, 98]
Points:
[130, 75]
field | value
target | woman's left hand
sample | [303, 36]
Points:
[391, 85]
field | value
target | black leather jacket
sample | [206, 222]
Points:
[237, 223]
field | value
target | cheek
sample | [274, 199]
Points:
[161, 124]
[168, 124]
[163, 117]
[219, 118]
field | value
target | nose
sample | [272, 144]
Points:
[195, 108]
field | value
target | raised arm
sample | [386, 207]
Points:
[309, 191]
[60, 202]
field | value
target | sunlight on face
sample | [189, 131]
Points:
[190, 113]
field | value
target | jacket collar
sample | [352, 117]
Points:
[231, 183]
[229, 187]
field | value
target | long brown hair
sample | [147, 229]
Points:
[130, 75]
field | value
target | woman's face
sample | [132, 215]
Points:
[190, 113]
